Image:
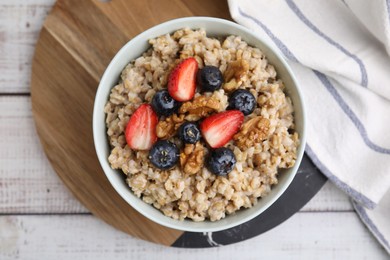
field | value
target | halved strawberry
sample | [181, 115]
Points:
[219, 129]
[181, 82]
[141, 128]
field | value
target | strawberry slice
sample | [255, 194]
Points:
[141, 128]
[220, 128]
[181, 81]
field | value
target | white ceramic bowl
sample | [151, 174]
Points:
[132, 50]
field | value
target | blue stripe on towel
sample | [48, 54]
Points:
[388, 9]
[345, 3]
[374, 229]
[357, 196]
[328, 85]
[348, 111]
[286, 52]
[303, 18]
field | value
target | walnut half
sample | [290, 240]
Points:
[167, 128]
[192, 158]
[236, 72]
[253, 131]
[200, 107]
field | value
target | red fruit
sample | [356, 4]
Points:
[141, 128]
[181, 82]
[220, 128]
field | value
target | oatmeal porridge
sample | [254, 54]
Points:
[200, 126]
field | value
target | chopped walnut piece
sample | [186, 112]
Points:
[168, 127]
[237, 69]
[200, 106]
[253, 131]
[192, 158]
[231, 85]
[235, 74]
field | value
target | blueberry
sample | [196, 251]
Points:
[164, 154]
[163, 104]
[242, 100]
[189, 133]
[209, 78]
[221, 161]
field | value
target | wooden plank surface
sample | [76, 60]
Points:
[326, 228]
[20, 23]
[304, 236]
[28, 184]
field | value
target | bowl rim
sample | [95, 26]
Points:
[104, 162]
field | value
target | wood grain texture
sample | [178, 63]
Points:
[342, 236]
[20, 22]
[76, 43]
[141, 15]
[29, 185]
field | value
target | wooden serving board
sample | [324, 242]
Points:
[78, 40]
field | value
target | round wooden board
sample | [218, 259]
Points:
[78, 40]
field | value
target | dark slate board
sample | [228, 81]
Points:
[305, 185]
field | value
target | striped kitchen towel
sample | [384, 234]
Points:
[339, 51]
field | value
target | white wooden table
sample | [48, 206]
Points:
[40, 219]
